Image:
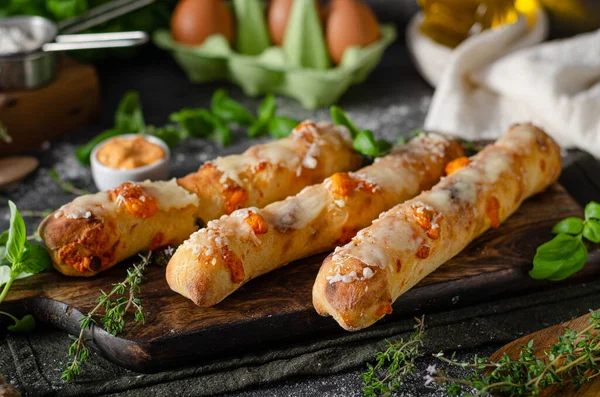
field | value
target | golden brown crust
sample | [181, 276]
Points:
[357, 284]
[95, 232]
[315, 220]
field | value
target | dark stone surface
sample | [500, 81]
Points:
[392, 102]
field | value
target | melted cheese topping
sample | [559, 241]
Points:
[232, 166]
[495, 164]
[86, 206]
[168, 195]
[297, 212]
[290, 153]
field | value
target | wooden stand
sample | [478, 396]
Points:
[67, 103]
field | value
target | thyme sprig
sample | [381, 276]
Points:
[67, 187]
[571, 361]
[394, 364]
[116, 305]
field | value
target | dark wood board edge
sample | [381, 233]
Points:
[208, 344]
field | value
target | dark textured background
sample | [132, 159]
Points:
[392, 102]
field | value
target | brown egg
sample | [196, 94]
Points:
[349, 23]
[278, 15]
[194, 20]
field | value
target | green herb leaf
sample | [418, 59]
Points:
[267, 108]
[266, 112]
[196, 123]
[571, 225]
[35, 259]
[24, 325]
[221, 133]
[3, 237]
[129, 118]
[281, 126]
[402, 140]
[365, 143]
[559, 258]
[259, 128]
[170, 134]
[3, 260]
[230, 110]
[64, 9]
[591, 231]
[83, 153]
[341, 118]
[17, 235]
[592, 210]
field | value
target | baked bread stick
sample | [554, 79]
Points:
[359, 281]
[94, 232]
[229, 252]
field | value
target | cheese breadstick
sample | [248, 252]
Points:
[358, 282]
[229, 252]
[94, 232]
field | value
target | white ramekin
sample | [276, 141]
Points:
[107, 178]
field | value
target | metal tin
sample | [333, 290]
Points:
[37, 65]
[32, 70]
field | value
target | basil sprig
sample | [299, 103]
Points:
[567, 253]
[20, 256]
[211, 124]
[364, 141]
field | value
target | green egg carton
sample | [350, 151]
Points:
[300, 69]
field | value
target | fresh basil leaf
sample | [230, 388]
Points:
[591, 231]
[559, 257]
[578, 260]
[402, 140]
[221, 133]
[281, 126]
[83, 153]
[341, 118]
[197, 123]
[230, 110]
[17, 235]
[259, 128]
[384, 146]
[3, 241]
[3, 237]
[3, 260]
[267, 108]
[571, 225]
[26, 324]
[35, 259]
[170, 134]
[266, 112]
[592, 210]
[129, 117]
[365, 143]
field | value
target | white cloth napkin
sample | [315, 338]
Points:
[502, 76]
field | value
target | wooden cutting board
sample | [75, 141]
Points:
[547, 337]
[276, 308]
